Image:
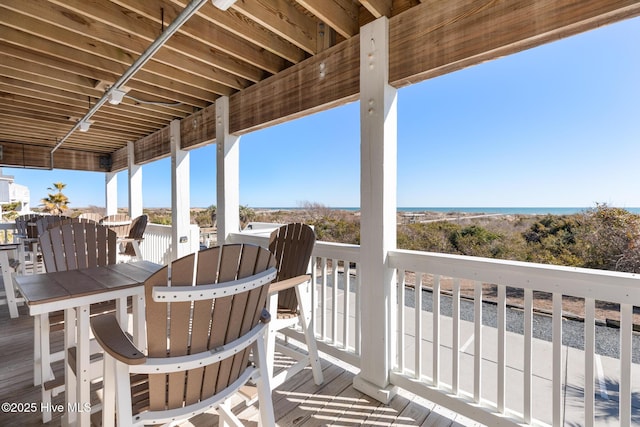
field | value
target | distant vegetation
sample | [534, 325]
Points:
[603, 237]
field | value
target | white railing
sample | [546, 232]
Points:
[156, 246]
[492, 375]
[486, 372]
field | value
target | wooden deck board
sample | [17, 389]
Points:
[298, 402]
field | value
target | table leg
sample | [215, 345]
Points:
[70, 386]
[82, 405]
[42, 371]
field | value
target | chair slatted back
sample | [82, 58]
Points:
[292, 245]
[93, 216]
[77, 245]
[45, 222]
[180, 328]
[120, 223]
[138, 226]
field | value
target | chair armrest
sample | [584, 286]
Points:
[114, 341]
[288, 283]
[128, 240]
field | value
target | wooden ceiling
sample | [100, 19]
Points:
[274, 59]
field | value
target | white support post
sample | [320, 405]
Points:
[135, 184]
[227, 173]
[378, 177]
[180, 200]
[111, 192]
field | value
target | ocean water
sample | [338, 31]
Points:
[487, 210]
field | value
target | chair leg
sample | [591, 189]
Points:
[267, 417]
[272, 306]
[108, 395]
[123, 394]
[306, 321]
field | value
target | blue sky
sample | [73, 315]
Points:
[557, 125]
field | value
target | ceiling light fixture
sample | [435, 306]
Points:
[115, 96]
[223, 4]
[85, 125]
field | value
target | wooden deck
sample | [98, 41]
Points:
[298, 402]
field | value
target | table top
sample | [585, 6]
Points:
[40, 289]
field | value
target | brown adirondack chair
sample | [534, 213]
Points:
[93, 216]
[69, 246]
[120, 223]
[290, 298]
[199, 355]
[130, 245]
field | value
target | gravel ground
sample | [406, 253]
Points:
[607, 338]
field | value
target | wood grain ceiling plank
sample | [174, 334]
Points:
[236, 23]
[240, 56]
[104, 135]
[12, 87]
[54, 111]
[285, 20]
[94, 74]
[378, 8]
[341, 15]
[86, 50]
[30, 79]
[110, 23]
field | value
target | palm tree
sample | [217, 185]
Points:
[56, 203]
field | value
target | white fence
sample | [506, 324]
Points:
[486, 372]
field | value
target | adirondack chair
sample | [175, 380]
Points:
[27, 235]
[290, 298]
[120, 223]
[93, 216]
[198, 357]
[130, 245]
[69, 246]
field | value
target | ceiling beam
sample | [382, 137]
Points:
[283, 19]
[341, 15]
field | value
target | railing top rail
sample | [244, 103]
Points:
[612, 286]
[341, 251]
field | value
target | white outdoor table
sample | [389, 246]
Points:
[74, 291]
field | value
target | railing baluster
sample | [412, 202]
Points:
[455, 346]
[436, 331]
[314, 295]
[528, 359]
[358, 286]
[589, 359]
[346, 301]
[401, 313]
[323, 300]
[502, 306]
[557, 360]
[477, 343]
[334, 301]
[418, 325]
[626, 334]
